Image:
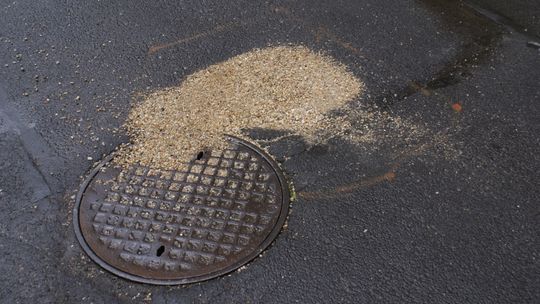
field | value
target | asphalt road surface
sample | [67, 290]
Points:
[449, 218]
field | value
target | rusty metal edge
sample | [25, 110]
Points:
[139, 279]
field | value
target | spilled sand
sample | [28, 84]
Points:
[289, 88]
[283, 88]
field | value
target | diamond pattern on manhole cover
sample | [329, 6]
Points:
[209, 217]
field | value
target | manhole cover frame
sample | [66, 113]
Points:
[284, 212]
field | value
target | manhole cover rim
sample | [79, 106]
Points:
[284, 211]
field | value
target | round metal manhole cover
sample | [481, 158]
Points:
[209, 217]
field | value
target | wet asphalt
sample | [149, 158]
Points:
[448, 219]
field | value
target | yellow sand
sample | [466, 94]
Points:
[285, 88]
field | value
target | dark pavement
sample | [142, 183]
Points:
[451, 217]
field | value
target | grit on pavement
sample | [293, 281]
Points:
[451, 216]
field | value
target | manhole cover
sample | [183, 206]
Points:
[203, 220]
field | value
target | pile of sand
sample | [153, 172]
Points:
[284, 88]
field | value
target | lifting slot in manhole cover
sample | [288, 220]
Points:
[174, 227]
